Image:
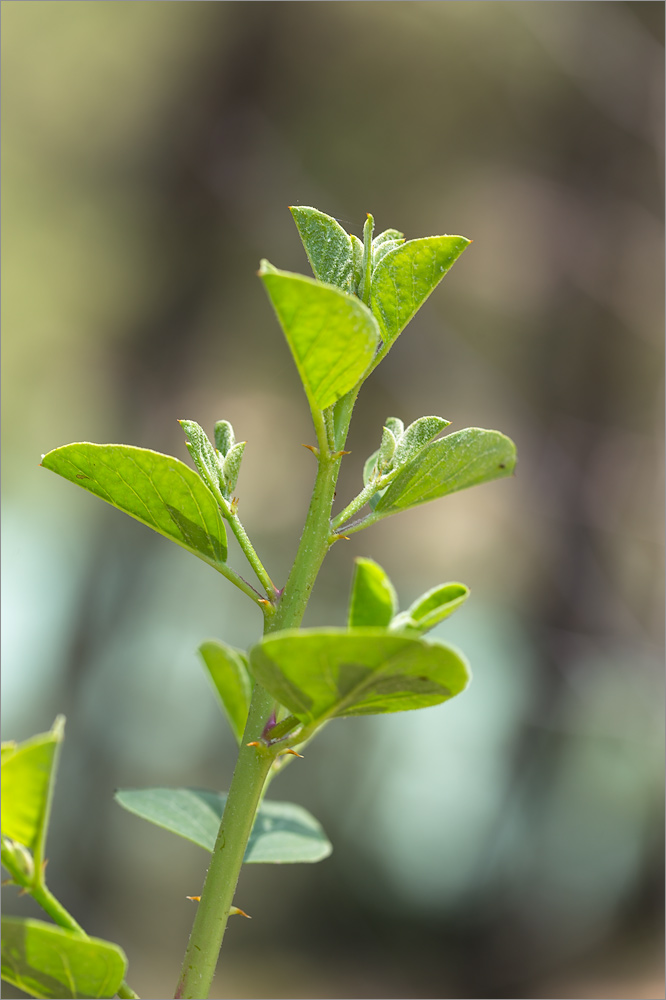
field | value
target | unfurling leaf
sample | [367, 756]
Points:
[224, 436]
[206, 458]
[328, 246]
[156, 489]
[373, 599]
[231, 466]
[332, 335]
[228, 671]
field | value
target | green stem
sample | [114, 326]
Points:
[218, 892]
[251, 556]
[126, 993]
[360, 501]
[364, 522]
[242, 584]
[254, 762]
[55, 909]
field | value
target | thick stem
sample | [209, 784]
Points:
[218, 892]
[254, 762]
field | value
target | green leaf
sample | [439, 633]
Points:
[406, 276]
[416, 437]
[453, 463]
[332, 336]
[232, 464]
[431, 608]
[328, 246]
[385, 242]
[321, 673]
[228, 671]
[48, 961]
[283, 832]
[28, 776]
[373, 599]
[224, 436]
[156, 489]
[206, 459]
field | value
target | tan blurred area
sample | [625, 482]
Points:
[509, 844]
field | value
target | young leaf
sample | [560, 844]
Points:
[416, 437]
[228, 671]
[224, 436]
[431, 608]
[370, 467]
[231, 466]
[328, 246]
[373, 599]
[386, 451]
[321, 673]
[156, 489]
[205, 458]
[28, 776]
[48, 961]
[406, 276]
[283, 832]
[332, 336]
[382, 244]
[357, 249]
[453, 463]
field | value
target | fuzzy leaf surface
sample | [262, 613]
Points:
[406, 276]
[156, 489]
[28, 774]
[228, 671]
[373, 599]
[455, 462]
[328, 246]
[321, 673]
[48, 961]
[283, 832]
[332, 336]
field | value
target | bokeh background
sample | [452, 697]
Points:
[508, 844]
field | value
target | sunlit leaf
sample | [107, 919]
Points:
[283, 832]
[431, 608]
[328, 246]
[228, 671]
[156, 489]
[28, 775]
[48, 961]
[406, 276]
[456, 462]
[373, 599]
[332, 336]
[321, 673]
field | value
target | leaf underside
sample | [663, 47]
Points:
[158, 490]
[283, 832]
[227, 669]
[27, 775]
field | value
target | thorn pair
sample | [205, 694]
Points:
[233, 910]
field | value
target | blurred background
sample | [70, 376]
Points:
[509, 844]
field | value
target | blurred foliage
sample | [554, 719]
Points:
[150, 153]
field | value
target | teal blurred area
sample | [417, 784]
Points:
[510, 843]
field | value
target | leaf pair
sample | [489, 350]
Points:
[332, 334]
[373, 602]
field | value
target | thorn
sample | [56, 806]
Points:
[337, 538]
[233, 910]
[339, 454]
[195, 899]
[8, 881]
[254, 743]
[263, 600]
[292, 752]
[23, 892]
[44, 864]
[311, 447]
[234, 505]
